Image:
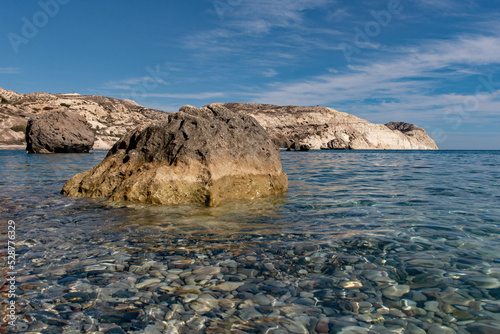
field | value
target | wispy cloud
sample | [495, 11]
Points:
[9, 70]
[260, 16]
[131, 83]
[404, 86]
[196, 96]
[270, 73]
[397, 78]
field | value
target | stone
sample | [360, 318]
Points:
[413, 329]
[395, 291]
[351, 284]
[207, 271]
[322, 326]
[484, 282]
[483, 328]
[204, 155]
[441, 330]
[59, 132]
[228, 286]
[147, 282]
[200, 308]
[432, 306]
[249, 313]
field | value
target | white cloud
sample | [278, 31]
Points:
[270, 73]
[408, 79]
[260, 16]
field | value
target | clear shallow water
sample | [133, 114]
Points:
[364, 242]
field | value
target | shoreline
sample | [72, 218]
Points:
[12, 147]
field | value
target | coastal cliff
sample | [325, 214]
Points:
[326, 128]
[312, 127]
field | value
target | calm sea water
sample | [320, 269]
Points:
[364, 242]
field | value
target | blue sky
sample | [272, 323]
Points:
[434, 63]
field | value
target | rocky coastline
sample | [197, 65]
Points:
[310, 127]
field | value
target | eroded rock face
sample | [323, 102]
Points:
[204, 155]
[109, 118]
[321, 127]
[59, 132]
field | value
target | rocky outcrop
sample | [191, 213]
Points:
[321, 127]
[109, 118]
[204, 155]
[298, 147]
[59, 132]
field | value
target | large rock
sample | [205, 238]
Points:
[59, 132]
[204, 155]
[321, 127]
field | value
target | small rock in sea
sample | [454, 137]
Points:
[228, 286]
[115, 330]
[351, 284]
[484, 282]
[413, 329]
[395, 291]
[147, 282]
[452, 298]
[249, 313]
[322, 326]
[483, 328]
[207, 271]
[441, 330]
[354, 330]
[305, 294]
[59, 132]
[432, 306]
[294, 327]
[200, 308]
[269, 266]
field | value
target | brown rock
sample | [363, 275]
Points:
[204, 155]
[59, 132]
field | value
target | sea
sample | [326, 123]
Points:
[363, 242]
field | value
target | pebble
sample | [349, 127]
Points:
[147, 282]
[228, 286]
[395, 291]
[196, 286]
[351, 284]
[484, 282]
[432, 306]
[207, 271]
[413, 329]
[441, 330]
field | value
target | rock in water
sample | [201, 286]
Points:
[59, 132]
[201, 155]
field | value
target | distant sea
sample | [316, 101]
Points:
[363, 242]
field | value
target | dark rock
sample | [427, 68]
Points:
[294, 146]
[204, 155]
[115, 330]
[405, 128]
[58, 132]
